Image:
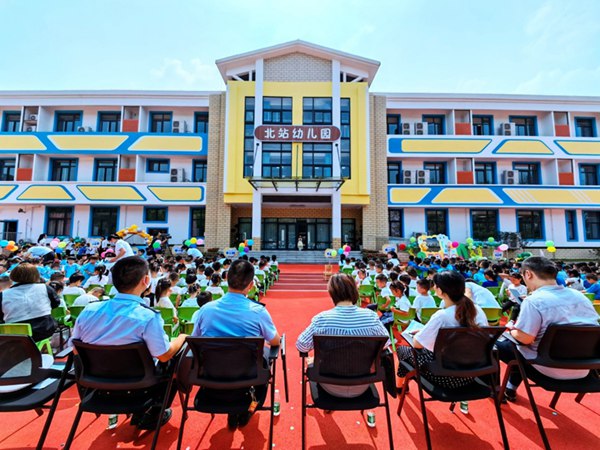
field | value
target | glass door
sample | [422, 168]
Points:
[286, 236]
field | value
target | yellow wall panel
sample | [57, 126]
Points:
[467, 196]
[524, 147]
[116, 193]
[177, 194]
[20, 142]
[87, 142]
[580, 148]
[408, 195]
[168, 143]
[45, 193]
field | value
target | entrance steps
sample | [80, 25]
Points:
[303, 257]
[309, 282]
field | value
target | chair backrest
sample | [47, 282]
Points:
[407, 317]
[347, 270]
[76, 310]
[590, 295]
[173, 298]
[465, 352]
[186, 312]
[216, 296]
[492, 314]
[114, 367]
[166, 314]
[347, 360]
[426, 313]
[23, 329]
[570, 347]
[59, 313]
[20, 360]
[365, 290]
[225, 289]
[226, 363]
[381, 301]
[70, 298]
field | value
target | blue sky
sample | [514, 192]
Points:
[506, 46]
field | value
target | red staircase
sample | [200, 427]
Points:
[298, 281]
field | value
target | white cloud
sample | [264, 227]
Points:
[193, 74]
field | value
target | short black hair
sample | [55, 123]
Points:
[240, 274]
[128, 272]
[76, 277]
[542, 267]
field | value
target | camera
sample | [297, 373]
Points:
[166, 236]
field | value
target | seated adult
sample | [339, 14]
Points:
[29, 301]
[46, 254]
[481, 296]
[548, 304]
[235, 315]
[344, 319]
[126, 319]
[459, 311]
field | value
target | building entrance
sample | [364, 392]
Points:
[284, 234]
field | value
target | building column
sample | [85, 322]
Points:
[336, 220]
[256, 220]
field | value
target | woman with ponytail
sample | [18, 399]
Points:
[459, 311]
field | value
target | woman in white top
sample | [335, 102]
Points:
[215, 289]
[100, 278]
[460, 311]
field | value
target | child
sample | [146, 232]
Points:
[516, 281]
[175, 280]
[594, 287]
[362, 278]
[423, 298]
[192, 292]
[71, 267]
[93, 295]
[202, 299]
[387, 318]
[99, 277]
[491, 280]
[215, 289]
[402, 304]
[74, 286]
[163, 291]
[58, 288]
[574, 280]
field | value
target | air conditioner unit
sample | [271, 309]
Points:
[176, 126]
[177, 175]
[33, 117]
[405, 128]
[510, 177]
[407, 177]
[421, 176]
[507, 129]
[421, 128]
[31, 128]
[81, 129]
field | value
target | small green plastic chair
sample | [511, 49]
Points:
[108, 288]
[185, 313]
[168, 316]
[75, 311]
[347, 270]
[225, 289]
[188, 327]
[92, 286]
[253, 294]
[426, 314]
[590, 295]
[366, 291]
[70, 298]
[24, 329]
[493, 315]
[216, 296]
[381, 301]
[438, 300]
[402, 320]
[494, 290]
[411, 298]
[261, 280]
[173, 298]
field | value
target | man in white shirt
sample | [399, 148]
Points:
[549, 304]
[122, 248]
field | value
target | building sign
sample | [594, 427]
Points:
[296, 133]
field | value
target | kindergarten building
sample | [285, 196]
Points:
[297, 147]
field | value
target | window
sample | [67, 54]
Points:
[437, 172]
[435, 124]
[528, 173]
[317, 161]
[109, 122]
[199, 171]
[105, 170]
[248, 136]
[63, 170]
[317, 111]
[155, 214]
[277, 110]
[525, 126]
[67, 121]
[396, 222]
[198, 219]
[591, 219]
[571, 219]
[588, 174]
[201, 122]
[276, 160]
[585, 127]
[11, 122]
[7, 170]
[483, 126]
[103, 220]
[158, 166]
[160, 122]
[59, 220]
[345, 139]
[484, 223]
[435, 221]
[485, 173]
[394, 172]
[531, 224]
[393, 124]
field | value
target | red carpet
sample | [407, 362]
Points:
[573, 426]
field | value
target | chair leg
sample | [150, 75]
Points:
[163, 407]
[501, 421]
[285, 378]
[579, 397]
[408, 377]
[73, 428]
[303, 411]
[388, 418]
[184, 410]
[554, 401]
[272, 409]
[452, 406]
[536, 413]
[424, 412]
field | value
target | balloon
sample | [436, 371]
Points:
[187, 243]
[156, 245]
[3, 243]
[250, 242]
[503, 247]
[134, 227]
[469, 241]
[549, 243]
[11, 243]
[58, 251]
[347, 248]
[62, 245]
[551, 249]
[53, 244]
[421, 255]
[246, 249]
[413, 240]
[340, 251]
[333, 253]
[200, 241]
[402, 247]
[455, 244]
[193, 240]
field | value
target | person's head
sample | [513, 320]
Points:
[113, 238]
[423, 286]
[341, 288]
[100, 270]
[397, 288]
[190, 280]
[515, 278]
[130, 275]
[412, 273]
[76, 279]
[381, 281]
[240, 276]
[192, 290]
[71, 260]
[405, 279]
[215, 280]
[4, 283]
[57, 276]
[450, 286]
[174, 278]
[163, 288]
[592, 278]
[392, 255]
[379, 268]
[57, 286]
[538, 271]
[362, 274]
[203, 298]
[25, 273]
[97, 292]
[490, 275]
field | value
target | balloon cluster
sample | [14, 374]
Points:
[133, 229]
[193, 242]
[244, 247]
[330, 253]
[550, 247]
[58, 246]
[9, 245]
[503, 247]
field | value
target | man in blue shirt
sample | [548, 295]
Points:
[126, 319]
[235, 315]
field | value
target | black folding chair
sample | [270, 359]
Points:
[284, 366]
[118, 379]
[223, 364]
[459, 352]
[21, 364]
[562, 347]
[346, 361]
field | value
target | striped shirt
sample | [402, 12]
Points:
[344, 321]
